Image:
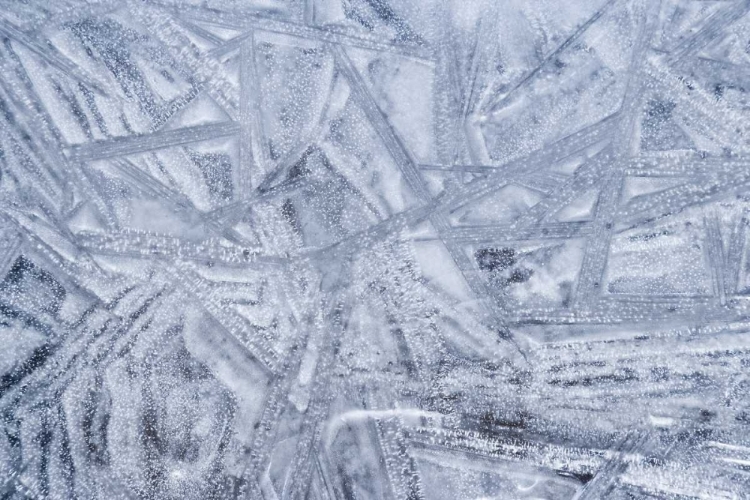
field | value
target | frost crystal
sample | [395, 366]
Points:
[374, 249]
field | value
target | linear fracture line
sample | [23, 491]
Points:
[25, 154]
[674, 200]
[491, 107]
[699, 110]
[734, 256]
[400, 465]
[252, 157]
[716, 256]
[588, 176]
[534, 162]
[52, 56]
[691, 165]
[122, 146]
[264, 437]
[54, 376]
[508, 232]
[596, 254]
[49, 135]
[201, 32]
[409, 169]
[233, 325]
[207, 71]
[149, 184]
[300, 471]
[718, 21]
[162, 246]
[325, 35]
[539, 181]
[393, 143]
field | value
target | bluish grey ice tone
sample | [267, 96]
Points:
[374, 249]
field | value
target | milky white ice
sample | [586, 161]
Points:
[374, 249]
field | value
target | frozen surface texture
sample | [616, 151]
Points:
[374, 249]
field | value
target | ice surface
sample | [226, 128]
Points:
[374, 249]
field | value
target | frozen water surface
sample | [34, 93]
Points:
[374, 249]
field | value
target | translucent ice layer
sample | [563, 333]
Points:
[374, 249]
